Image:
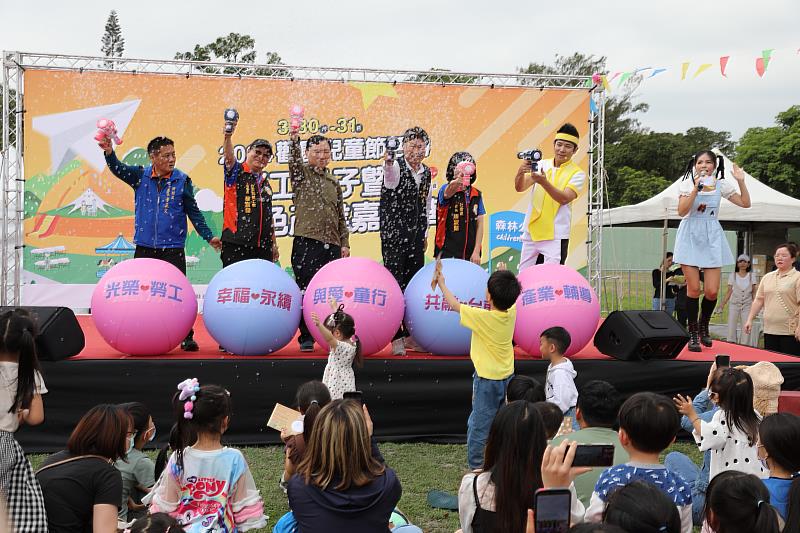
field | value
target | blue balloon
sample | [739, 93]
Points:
[252, 307]
[428, 316]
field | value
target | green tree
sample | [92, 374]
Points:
[773, 154]
[439, 75]
[112, 40]
[639, 185]
[234, 48]
[621, 105]
[659, 154]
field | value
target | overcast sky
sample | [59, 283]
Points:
[470, 36]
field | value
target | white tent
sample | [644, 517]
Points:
[768, 206]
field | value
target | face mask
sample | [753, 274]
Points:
[153, 435]
[130, 443]
[764, 464]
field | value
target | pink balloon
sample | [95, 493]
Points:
[144, 307]
[555, 295]
[370, 295]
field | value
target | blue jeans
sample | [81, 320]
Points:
[669, 305]
[686, 468]
[488, 395]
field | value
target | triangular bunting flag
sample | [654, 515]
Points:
[766, 55]
[684, 69]
[656, 72]
[723, 64]
[624, 77]
[702, 68]
[761, 68]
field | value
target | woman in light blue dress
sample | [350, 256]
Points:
[700, 242]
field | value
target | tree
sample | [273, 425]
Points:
[657, 154]
[621, 107]
[773, 154]
[233, 48]
[112, 40]
[639, 185]
[438, 76]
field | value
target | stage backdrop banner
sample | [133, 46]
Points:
[79, 217]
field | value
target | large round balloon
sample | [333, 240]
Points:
[555, 295]
[144, 307]
[429, 318]
[252, 307]
[370, 294]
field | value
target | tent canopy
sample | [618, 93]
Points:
[119, 246]
[768, 206]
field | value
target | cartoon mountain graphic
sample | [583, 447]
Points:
[89, 205]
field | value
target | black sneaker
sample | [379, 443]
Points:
[189, 345]
[307, 346]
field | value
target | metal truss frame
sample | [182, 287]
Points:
[12, 169]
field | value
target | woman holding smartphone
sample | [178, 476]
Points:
[700, 242]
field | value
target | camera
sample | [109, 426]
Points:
[392, 145]
[231, 118]
[534, 156]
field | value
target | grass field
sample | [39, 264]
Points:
[420, 467]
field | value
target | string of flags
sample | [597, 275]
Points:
[688, 69]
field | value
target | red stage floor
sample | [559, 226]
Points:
[96, 348]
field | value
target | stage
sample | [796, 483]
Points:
[415, 397]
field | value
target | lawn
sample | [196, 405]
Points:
[420, 467]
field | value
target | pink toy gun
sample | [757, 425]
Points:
[467, 169]
[106, 129]
[434, 172]
[296, 115]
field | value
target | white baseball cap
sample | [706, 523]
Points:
[743, 257]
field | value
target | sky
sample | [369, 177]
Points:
[471, 36]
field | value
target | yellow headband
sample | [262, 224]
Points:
[567, 137]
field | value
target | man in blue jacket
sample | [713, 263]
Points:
[163, 198]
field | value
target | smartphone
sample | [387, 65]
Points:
[723, 360]
[356, 395]
[552, 510]
[594, 455]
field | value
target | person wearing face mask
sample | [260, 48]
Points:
[778, 452]
[700, 242]
[320, 229]
[779, 295]
[404, 212]
[136, 469]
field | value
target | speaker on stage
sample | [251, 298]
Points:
[60, 335]
[640, 335]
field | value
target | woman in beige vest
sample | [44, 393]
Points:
[779, 295]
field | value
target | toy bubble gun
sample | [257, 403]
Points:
[231, 118]
[467, 169]
[296, 114]
[106, 129]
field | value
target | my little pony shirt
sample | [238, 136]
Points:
[214, 492]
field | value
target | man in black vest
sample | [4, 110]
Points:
[404, 209]
[247, 209]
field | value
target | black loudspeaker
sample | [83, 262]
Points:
[60, 335]
[640, 335]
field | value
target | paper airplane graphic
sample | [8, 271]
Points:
[72, 133]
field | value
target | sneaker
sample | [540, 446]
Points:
[307, 346]
[189, 345]
[398, 347]
[412, 345]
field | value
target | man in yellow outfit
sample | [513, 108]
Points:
[556, 184]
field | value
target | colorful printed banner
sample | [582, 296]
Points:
[79, 217]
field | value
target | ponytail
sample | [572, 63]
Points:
[690, 167]
[308, 421]
[358, 359]
[312, 396]
[197, 410]
[18, 336]
[720, 167]
[766, 518]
